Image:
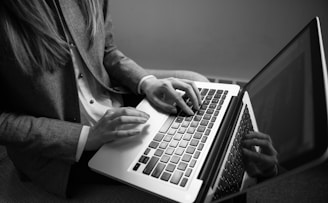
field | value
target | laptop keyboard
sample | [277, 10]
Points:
[233, 172]
[173, 153]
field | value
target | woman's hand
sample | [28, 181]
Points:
[115, 125]
[162, 94]
[262, 163]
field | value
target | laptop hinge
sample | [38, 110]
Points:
[214, 159]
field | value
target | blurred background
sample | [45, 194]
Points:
[230, 39]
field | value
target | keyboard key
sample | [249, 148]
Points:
[184, 182]
[168, 138]
[170, 167]
[183, 143]
[147, 151]
[203, 107]
[175, 159]
[151, 164]
[189, 118]
[169, 151]
[167, 124]
[196, 155]
[178, 136]
[212, 106]
[179, 151]
[165, 159]
[182, 130]
[172, 131]
[200, 113]
[182, 166]
[207, 132]
[186, 157]
[201, 129]
[192, 163]
[179, 119]
[153, 145]
[213, 119]
[204, 92]
[159, 152]
[207, 116]
[215, 101]
[217, 96]
[198, 135]
[158, 170]
[194, 124]
[191, 130]
[190, 150]
[188, 172]
[163, 145]
[185, 124]
[210, 111]
[204, 139]
[200, 147]
[135, 168]
[197, 118]
[176, 177]
[165, 176]
[204, 122]
[175, 125]
[187, 137]
[211, 92]
[158, 137]
[144, 159]
[174, 143]
[194, 142]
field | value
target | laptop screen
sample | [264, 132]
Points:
[289, 100]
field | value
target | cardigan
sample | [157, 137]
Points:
[39, 112]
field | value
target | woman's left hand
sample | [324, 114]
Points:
[163, 95]
[263, 162]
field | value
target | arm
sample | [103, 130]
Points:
[49, 137]
[118, 66]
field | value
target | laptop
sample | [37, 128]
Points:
[198, 158]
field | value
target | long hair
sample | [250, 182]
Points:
[33, 33]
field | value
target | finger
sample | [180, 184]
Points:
[265, 145]
[263, 165]
[176, 97]
[126, 111]
[258, 135]
[163, 106]
[193, 93]
[196, 91]
[124, 133]
[260, 159]
[189, 90]
[123, 120]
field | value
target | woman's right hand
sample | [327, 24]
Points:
[114, 125]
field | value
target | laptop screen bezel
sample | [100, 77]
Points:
[319, 89]
[319, 152]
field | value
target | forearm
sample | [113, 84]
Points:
[124, 70]
[50, 137]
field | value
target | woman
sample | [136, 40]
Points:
[63, 83]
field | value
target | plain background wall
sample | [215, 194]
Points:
[219, 38]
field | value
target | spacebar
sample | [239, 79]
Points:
[167, 124]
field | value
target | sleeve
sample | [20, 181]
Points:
[49, 137]
[82, 142]
[119, 66]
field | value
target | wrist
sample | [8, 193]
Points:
[145, 82]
